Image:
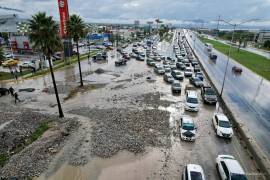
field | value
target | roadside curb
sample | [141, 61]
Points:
[258, 155]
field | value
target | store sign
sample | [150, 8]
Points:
[64, 16]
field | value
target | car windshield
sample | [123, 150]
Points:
[177, 72]
[210, 91]
[224, 124]
[195, 175]
[176, 84]
[192, 100]
[196, 79]
[188, 70]
[238, 177]
[188, 126]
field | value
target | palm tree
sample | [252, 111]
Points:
[2, 57]
[44, 34]
[76, 30]
[38, 21]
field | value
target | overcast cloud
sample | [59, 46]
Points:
[128, 10]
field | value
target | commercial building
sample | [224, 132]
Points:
[263, 36]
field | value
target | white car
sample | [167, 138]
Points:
[188, 72]
[192, 102]
[229, 168]
[222, 125]
[187, 129]
[8, 55]
[167, 68]
[193, 172]
[26, 64]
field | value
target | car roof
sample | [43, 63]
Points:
[222, 117]
[187, 119]
[194, 168]
[192, 94]
[233, 166]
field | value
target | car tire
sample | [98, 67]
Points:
[218, 171]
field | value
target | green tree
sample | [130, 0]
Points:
[44, 33]
[2, 57]
[37, 24]
[266, 44]
[75, 28]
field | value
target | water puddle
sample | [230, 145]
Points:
[99, 78]
[122, 166]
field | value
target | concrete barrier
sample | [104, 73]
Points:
[258, 155]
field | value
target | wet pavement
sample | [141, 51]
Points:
[247, 93]
[128, 87]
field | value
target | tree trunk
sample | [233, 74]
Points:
[79, 62]
[61, 115]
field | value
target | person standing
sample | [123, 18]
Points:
[20, 68]
[11, 90]
[16, 96]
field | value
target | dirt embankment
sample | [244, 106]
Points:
[29, 139]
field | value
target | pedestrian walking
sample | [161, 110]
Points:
[11, 71]
[16, 75]
[16, 96]
[11, 90]
[20, 68]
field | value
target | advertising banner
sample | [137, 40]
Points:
[64, 16]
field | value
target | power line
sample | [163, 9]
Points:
[11, 9]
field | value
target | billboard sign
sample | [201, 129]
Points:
[64, 16]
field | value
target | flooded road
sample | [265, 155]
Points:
[126, 88]
[246, 93]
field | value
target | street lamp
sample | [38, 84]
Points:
[229, 53]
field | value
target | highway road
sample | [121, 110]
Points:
[247, 93]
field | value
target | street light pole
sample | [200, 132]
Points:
[229, 54]
[195, 37]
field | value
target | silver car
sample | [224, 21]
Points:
[176, 87]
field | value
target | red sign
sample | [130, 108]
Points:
[64, 16]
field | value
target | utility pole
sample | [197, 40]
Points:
[229, 54]
[218, 26]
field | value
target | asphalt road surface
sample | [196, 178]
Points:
[247, 93]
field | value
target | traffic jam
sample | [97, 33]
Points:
[186, 79]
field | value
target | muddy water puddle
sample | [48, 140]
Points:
[122, 166]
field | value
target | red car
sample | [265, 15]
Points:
[237, 69]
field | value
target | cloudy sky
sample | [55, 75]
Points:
[128, 10]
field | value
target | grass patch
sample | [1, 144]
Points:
[256, 63]
[39, 131]
[3, 159]
[8, 75]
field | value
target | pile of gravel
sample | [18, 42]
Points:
[100, 71]
[123, 129]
